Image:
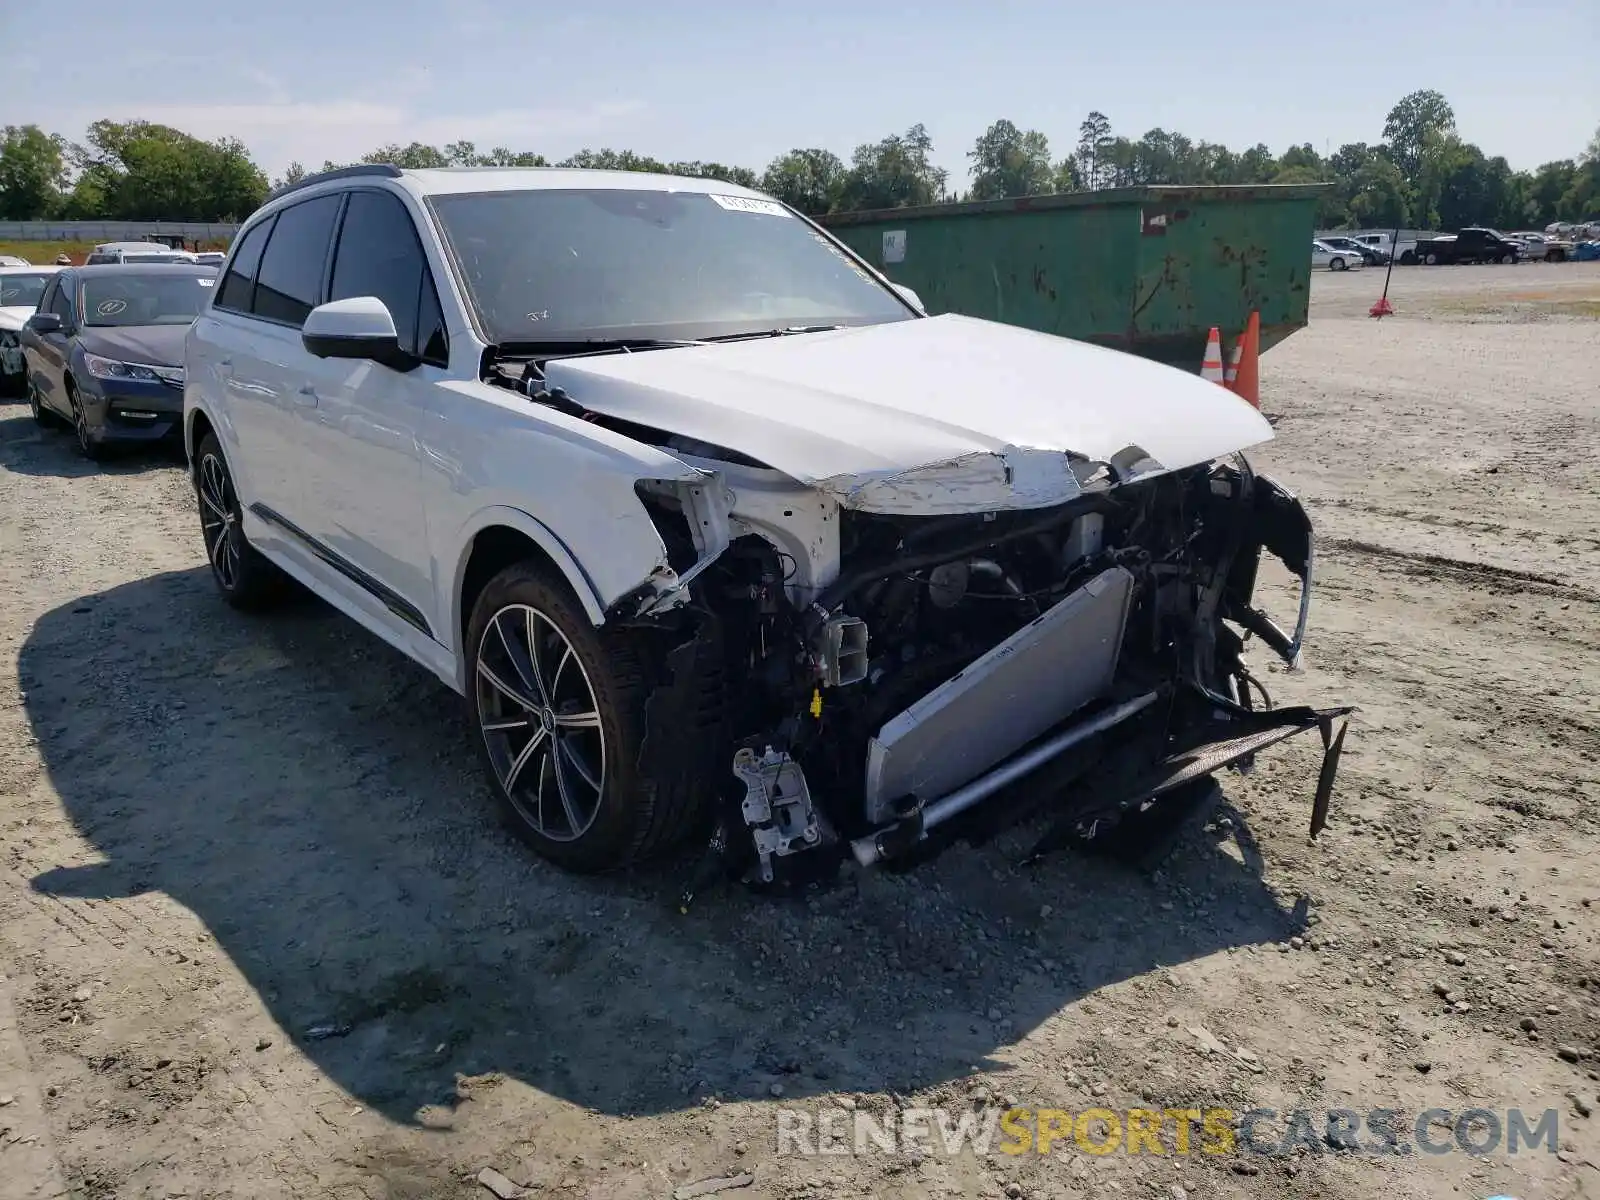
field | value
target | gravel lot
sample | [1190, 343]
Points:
[261, 936]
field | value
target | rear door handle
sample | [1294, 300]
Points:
[306, 397]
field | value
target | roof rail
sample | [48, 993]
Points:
[383, 170]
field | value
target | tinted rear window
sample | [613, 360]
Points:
[290, 280]
[240, 281]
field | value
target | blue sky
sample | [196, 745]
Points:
[740, 83]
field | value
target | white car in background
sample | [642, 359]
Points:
[1334, 258]
[143, 253]
[11, 260]
[20, 289]
[211, 258]
[1545, 248]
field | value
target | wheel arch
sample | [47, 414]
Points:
[494, 539]
[195, 428]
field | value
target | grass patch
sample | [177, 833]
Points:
[44, 253]
[1526, 305]
[1573, 308]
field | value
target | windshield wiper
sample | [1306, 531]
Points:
[784, 331]
[568, 347]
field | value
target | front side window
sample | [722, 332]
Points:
[379, 255]
[569, 265]
[290, 279]
[23, 291]
[134, 297]
[61, 302]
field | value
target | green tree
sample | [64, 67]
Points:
[1546, 190]
[1256, 165]
[292, 174]
[414, 157]
[1417, 119]
[897, 172]
[1006, 161]
[1462, 197]
[147, 172]
[501, 156]
[695, 169]
[613, 160]
[1094, 139]
[1066, 177]
[86, 201]
[1376, 195]
[33, 173]
[1580, 201]
[809, 180]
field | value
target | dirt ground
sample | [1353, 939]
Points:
[262, 937]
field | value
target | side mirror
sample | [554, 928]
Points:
[360, 327]
[45, 322]
[910, 297]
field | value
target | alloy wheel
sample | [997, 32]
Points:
[80, 425]
[219, 517]
[541, 723]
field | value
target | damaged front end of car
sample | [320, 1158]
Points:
[858, 680]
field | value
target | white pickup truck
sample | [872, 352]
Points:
[1402, 251]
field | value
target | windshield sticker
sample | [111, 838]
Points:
[203, 282]
[110, 308]
[542, 315]
[767, 208]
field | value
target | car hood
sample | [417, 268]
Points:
[15, 316]
[933, 415]
[157, 345]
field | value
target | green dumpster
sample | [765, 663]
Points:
[1149, 269]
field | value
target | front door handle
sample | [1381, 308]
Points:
[306, 397]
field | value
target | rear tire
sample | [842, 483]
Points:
[245, 579]
[42, 416]
[557, 710]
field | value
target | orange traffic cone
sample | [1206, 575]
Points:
[1232, 375]
[1211, 364]
[1247, 383]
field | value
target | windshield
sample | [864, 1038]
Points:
[132, 297]
[22, 291]
[559, 265]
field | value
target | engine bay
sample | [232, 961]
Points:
[847, 680]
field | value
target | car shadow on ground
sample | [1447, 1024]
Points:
[314, 799]
[67, 463]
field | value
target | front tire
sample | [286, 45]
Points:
[1336, 264]
[87, 446]
[557, 710]
[1432, 260]
[245, 579]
